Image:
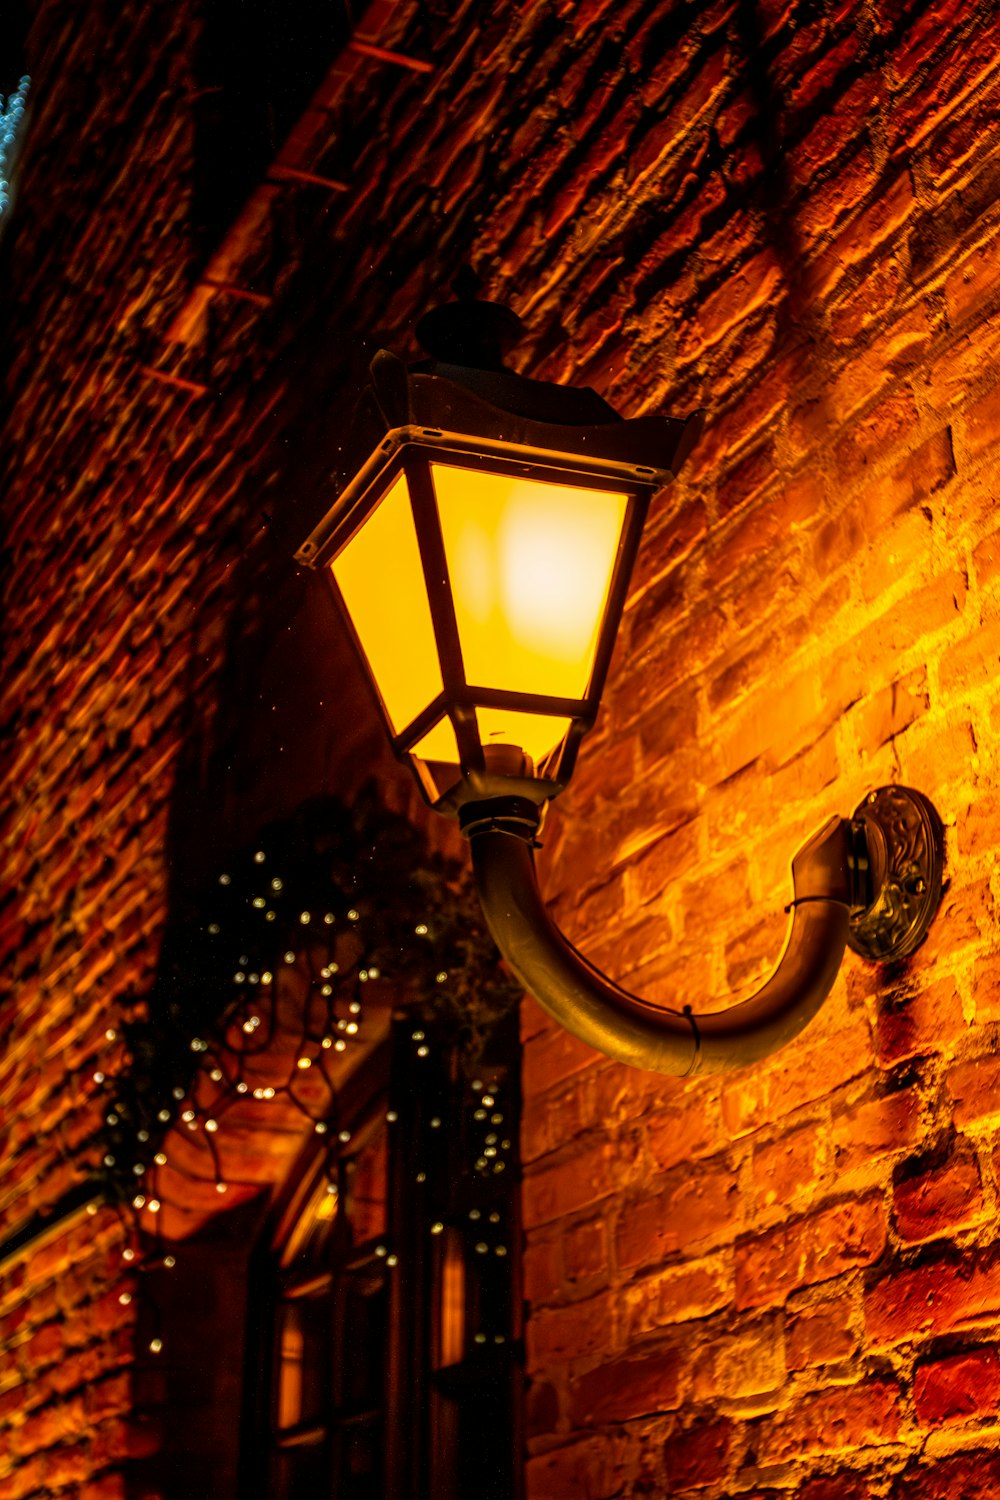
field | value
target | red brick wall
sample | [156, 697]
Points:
[778, 1281]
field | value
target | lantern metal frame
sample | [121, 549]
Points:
[872, 882]
[493, 440]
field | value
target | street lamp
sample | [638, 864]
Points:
[480, 546]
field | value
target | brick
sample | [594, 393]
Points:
[882, 1126]
[584, 1178]
[937, 1201]
[820, 1334]
[953, 1390]
[975, 1088]
[858, 1416]
[808, 1251]
[786, 1172]
[677, 1294]
[625, 1389]
[699, 1455]
[574, 1332]
[981, 424]
[973, 1476]
[921, 1022]
[698, 1206]
[750, 1362]
[682, 1129]
[938, 1296]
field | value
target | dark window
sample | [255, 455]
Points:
[259, 64]
[390, 1364]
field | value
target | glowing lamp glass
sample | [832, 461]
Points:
[381, 580]
[530, 563]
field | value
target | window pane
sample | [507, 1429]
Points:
[301, 1473]
[367, 1189]
[360, 1467]
[364, 1341]
[303, 1361]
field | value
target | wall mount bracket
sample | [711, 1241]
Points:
[906, 855]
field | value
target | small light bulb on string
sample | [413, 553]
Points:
[169, 1262]
[340, 1045]
[259, 903]
[266, 977]
[213, 928]
[128, 1253]
[326, 1043]
[421, 929]
[391, 1116]
[224, 880]
[178, 1093]
[392, 1260]
[276, 883]
[305, 918]
[441, 976]
[423, 1051]
[155, 1346]
[160, 1159]
[142, 1135]
[344, 1137]
[110, 1034]
[216, 1075]
[221, 1187]
[320, 1127]
[153, 1205]
[289, 957]
[304, 1062]
[352, 915]
[163, 1116]
[259, 857]
[212, 1125]
[437, 1227]
[328, 918]
[138, 1200]
[98, 1077]
[109, 1160]
[125, 1298]
[242, 1087]
[351, 1028]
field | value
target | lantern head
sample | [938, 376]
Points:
[480, 545]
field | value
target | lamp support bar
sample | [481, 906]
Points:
[841, 875]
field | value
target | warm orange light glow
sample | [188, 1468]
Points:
[381, 578]
[291, 1359]
[439, 743]
[452, 1330]
[530, 565]
[535, 734]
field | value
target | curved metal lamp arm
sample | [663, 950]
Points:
[846, 868]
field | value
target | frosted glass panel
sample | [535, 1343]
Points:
[380, 576]
[535, 734]
[530, 565]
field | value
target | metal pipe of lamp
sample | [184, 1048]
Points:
[480, 546]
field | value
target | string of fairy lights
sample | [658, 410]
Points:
[263, 983]
[12, 110]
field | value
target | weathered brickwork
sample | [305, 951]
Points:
[784, 1281]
